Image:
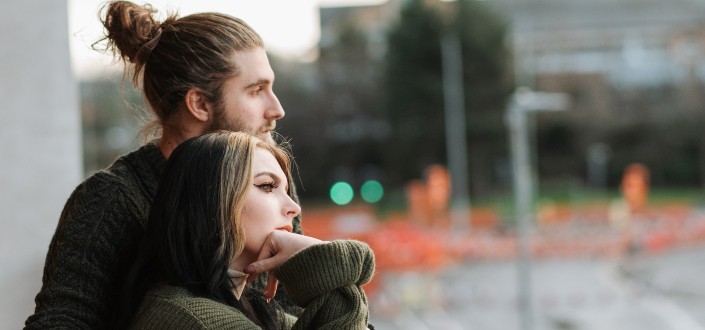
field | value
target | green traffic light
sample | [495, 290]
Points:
[372, 191]
[341, 193]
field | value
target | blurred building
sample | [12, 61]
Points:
[372, 22]
[634, 69]
[351, 50]
[603, 52]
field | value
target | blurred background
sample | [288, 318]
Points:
[515, 164]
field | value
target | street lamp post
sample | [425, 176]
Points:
[456, 137]
[523, 102]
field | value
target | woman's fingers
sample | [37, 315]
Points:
[264, 265]
[277, 249]
[271, 289]
[266, 260]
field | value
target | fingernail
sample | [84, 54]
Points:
[250, 269]
[268, 300]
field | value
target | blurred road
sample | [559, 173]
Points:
[658, 292]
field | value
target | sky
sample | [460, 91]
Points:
[290, 28]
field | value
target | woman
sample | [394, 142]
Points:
[222, 215]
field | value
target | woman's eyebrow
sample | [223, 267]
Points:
[274, 177]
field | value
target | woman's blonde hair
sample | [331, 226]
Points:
[238, 164]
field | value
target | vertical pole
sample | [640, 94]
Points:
[456, 140]
[523, 196]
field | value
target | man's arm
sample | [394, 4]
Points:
[93, 245]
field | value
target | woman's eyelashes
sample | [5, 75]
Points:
[267, 186]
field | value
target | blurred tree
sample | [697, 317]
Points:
[488, 79]
[414, 95]
[671, 146]
[333, 116]
[303, 126]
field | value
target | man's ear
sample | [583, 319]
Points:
[197, 105]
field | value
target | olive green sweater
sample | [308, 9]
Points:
[325, 279]
[95, 242]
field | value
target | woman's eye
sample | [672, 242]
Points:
[267, 187]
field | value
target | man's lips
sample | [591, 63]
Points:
[267, 130]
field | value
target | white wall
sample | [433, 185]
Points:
[40, 147]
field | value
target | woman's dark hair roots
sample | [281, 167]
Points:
[189, 241]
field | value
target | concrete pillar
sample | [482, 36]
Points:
[40, 145]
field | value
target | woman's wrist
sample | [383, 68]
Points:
[324, 267]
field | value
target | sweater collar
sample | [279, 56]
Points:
[239, 280]
[154, 156]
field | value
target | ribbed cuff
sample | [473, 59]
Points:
[325, 267]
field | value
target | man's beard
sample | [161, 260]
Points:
[222, 122]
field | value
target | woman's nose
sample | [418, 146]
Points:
[292, 209]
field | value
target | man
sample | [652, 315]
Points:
[199, 73]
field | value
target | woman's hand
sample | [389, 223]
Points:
[277, 249]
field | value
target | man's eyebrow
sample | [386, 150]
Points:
[257, 83]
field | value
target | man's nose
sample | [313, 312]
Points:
[275, 110]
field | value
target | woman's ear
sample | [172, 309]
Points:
[197, 105]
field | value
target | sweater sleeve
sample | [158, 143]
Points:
[325, 279]
[166, 313]
[89, 253]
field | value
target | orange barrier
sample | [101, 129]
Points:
[321, 223]
[403, 245]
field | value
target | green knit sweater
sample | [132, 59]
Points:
[95, 242]
[325, 279]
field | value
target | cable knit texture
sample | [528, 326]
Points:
[325, 279]
[95, 242]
